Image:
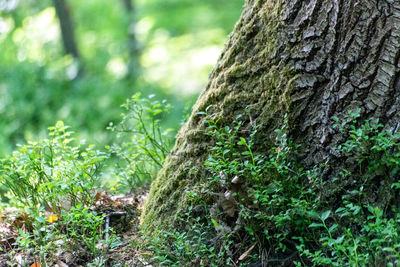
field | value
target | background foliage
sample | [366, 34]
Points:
[178, 43]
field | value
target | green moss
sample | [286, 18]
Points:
[247, 76]
[236, 70]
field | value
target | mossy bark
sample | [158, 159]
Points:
[295, 62]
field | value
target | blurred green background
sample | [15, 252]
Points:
[162, 47]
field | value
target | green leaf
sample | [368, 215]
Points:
[333, 227]
[340, 210]
[242, 141]
[313, 214]
[315, 225]
[157, 111]
[339, 240]
[215, 223]
[325, 215]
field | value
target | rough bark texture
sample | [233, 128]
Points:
[303, 60]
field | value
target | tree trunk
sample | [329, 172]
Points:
[294, 62]
[133, 47]
[67, 29]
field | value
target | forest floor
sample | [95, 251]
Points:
[122, 215]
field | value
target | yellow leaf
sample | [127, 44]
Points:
[52, 218]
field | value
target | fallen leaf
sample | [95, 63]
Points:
[247, 253]
[97, 196]
[228, 204]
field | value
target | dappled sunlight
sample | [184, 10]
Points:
[143, 27]
[6, 25]
[35, 33]
[8, 5]
[117, 67]
[182, 63]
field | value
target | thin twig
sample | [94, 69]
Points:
[114, 213]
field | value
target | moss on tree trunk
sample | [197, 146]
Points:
[303, 62]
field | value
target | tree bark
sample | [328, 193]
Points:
[296, 64]
[133, 47]
[67, 29]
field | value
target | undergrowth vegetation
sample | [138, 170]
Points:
[265, 208]
[57, 182]
[254, 208]
[53, 172]
[142, 143]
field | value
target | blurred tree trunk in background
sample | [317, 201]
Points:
[67, 30]
[294, 65]
[133, 47]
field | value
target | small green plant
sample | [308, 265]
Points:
[273, 199]
[39, 238]
[51, 176]
[232, 154]
[361, 232]
[84, 230]
[375, 150]
[143, 142]
[77, 230]
[52, 172]
[370, 240]
[197, 245]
